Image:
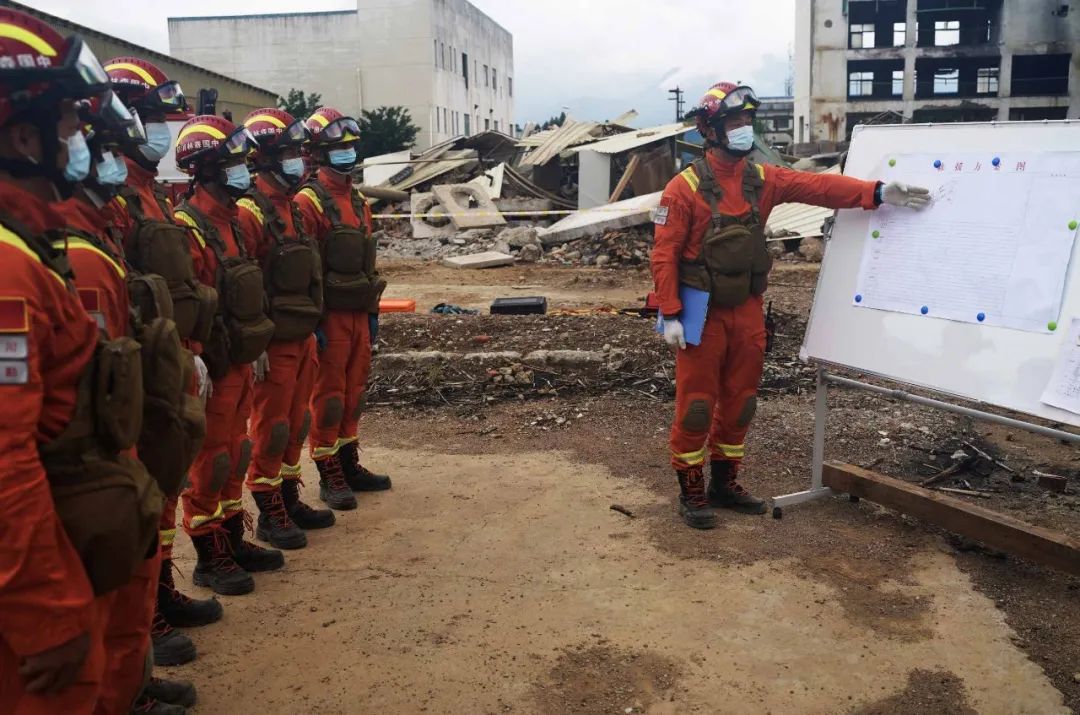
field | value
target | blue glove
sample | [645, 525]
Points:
[373, 327]
[320, 339]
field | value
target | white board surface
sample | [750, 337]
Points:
[996, 365]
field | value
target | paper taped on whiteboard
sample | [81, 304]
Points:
[993, 248]
[1064, 388]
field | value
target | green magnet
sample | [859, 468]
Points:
[892, 162]
[1073, 225]
[876, 234]
[1052, 326]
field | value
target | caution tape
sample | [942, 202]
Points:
[507, 214]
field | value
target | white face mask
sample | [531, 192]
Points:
[293, 167]
[111, 170]
[158, 141]
[741, 139]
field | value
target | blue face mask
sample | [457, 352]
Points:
[293, 168]
[238, 178]
[342, 158]
[111, 170]
[158, 140]
[741, 139]
[78, 164]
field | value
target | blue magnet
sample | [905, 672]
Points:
[924, 310]
[996, 161]
[981, 317]
[937, 163]
[858, 299]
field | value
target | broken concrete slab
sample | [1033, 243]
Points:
[507, 356]
[592, 222]
[432, 227]
[489, 259]
[565, 357]
[491, 181]
[468, 206]
[519, 237]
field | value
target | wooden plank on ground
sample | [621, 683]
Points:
[998, 531]
[631, 167]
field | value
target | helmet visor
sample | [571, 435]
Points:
[115, 115]
[294, 135]
[739, 99]
[239, 144]
[344, 129]
[88, 76]
[167, 96]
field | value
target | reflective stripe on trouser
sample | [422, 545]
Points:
[341, 380]
[290, 472]
[716, 386]
[127, 638]
[218, 472]
[331, 450]
[279, 411]
[167, 526]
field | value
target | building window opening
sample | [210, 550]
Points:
[899, 34]
[1040, 75]
[946, 33]
[862, 37]
[468, 129]
[947, 81]
[898, 83]
[861, 84]
[986, 82]
[510, 85]
[487, 76]
[465, 68]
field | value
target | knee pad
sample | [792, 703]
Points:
[245, 458]
[698, 416]
[279, 439]
[749, 409]
[333, 411]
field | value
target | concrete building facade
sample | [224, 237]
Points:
[933, 61]
[233, 95]
[776, 116]
[445, 61]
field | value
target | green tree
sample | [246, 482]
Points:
[386, 130]
[554, 122]
[299, 104]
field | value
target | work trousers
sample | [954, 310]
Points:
[113, 673]
[217, 476]
[341, 382]
[716, 386]
[280, 415]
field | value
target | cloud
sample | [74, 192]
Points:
[599, 57]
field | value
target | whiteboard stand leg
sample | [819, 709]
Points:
[816, 490]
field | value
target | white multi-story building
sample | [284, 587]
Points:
[445, 61]
[933, 61]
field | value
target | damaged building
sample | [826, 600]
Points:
[867, 61]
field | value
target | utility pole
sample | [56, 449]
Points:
[677, 98]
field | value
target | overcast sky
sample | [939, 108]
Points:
[597, 57]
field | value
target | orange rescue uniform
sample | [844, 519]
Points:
[345, 363]
[716, 382]
[280, 402]
[217, 476]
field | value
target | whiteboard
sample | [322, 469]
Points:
[995, 365]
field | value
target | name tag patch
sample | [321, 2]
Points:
[14, 372]
[13, 347]
[661, 216]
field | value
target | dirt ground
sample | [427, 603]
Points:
[495, 577]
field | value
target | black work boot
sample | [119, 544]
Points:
[357, 477]
[171, 647]
[275, 524]
[251, 557]
[146, 705]
[182, 611]
[174, 692]
[303, 515]
[693, 506]
[216, 566]
[725, 492]
[332, 486]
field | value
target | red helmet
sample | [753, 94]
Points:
[275, 129]
[143, 86]
[207, 139]
[38, 67]
[329, 126]
[722, 100]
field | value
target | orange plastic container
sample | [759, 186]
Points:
[397, 306]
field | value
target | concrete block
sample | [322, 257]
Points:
[468, 206]
[490, 259]
[594, 222]
[491, 181]
[440, 227]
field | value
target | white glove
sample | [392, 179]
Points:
[202, 379]
[261, 367]
[912, 197]
[674, 335]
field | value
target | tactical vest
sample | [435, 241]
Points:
[293, 273]
[350, 281]
[162, 248]
[734, 262]
[173, 421]
[108, 503]
[241, 330]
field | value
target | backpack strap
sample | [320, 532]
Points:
[326, 201]
[752, 185]
[39, 247]
[210, 234]
[64, 238]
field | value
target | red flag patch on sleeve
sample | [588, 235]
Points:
[91, 299]
[14, 315]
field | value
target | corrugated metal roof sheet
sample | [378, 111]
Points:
[557, 142]
[802, 219]
[632, 140]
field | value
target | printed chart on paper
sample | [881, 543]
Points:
[993, 248]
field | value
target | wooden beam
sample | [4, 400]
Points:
[998, 531]
[631, 167]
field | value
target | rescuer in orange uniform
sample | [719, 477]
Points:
[143, 215]
[215, 152]
[101, 276]
[710, 236]
[338, 216]
[60, 590]
[280, 418]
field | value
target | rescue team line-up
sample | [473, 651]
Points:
[156, 357]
